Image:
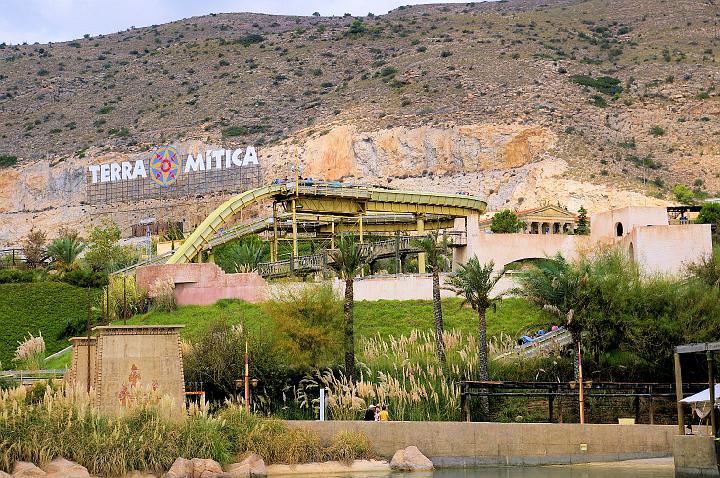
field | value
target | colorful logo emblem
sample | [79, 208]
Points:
[165, 165]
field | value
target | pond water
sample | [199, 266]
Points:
[577, 471]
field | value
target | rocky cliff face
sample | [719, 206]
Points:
[508, 165]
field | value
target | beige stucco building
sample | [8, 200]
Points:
[644, 232]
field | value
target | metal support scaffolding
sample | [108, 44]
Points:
[421, 231]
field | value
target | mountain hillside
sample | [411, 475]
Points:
[601, 103]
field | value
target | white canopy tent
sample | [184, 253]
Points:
[700, 403]
[703, 396]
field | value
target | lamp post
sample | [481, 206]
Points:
[247, 379]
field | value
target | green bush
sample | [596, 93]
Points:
[13, 276]
[6, 160]
[604, 84]
[309, 321]
[250, 39]
[85, 278]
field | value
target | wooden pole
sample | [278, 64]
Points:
[87, 300]
[711, 385]
[294, 230]
[581, 395]
[679, 395]
[652, 406]
[247, 379]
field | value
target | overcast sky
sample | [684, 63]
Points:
[62, 20]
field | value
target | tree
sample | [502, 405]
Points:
[506, 222]
[34, 247]
[436, 254]
[707, 269]
[64, 251]
[347, 261]
[557, 286]
[709, 214]
[316, 14]
[103, 252]
[309, 325]
[473, 282]
[683, 194]
[242, 255]
[583, 227]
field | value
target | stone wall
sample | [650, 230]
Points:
[203, 284]
[694, 456]
[468, 444]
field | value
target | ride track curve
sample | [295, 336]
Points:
[369, 199]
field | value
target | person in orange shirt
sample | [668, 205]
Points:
[384, 415]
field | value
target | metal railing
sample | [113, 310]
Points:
[28, 377]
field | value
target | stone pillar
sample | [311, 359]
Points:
[78, 376]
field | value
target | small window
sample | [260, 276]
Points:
[619, 229]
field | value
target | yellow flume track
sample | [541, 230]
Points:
[324, 199]
[210, 226]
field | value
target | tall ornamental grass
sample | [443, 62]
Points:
[61, 422]
[405, 374]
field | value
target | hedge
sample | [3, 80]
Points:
[48, 307]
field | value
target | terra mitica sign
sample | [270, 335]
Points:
[168, 171]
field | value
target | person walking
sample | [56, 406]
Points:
[384, 415]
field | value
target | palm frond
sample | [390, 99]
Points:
[347, 258]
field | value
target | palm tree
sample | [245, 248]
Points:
[436, 254]
[65, 251]
[473, 282]
[557, 286]
[347, 261]
[561, 288]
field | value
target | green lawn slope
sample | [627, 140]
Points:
[384, 317]
[39, 307]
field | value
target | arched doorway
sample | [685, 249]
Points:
[619, 229]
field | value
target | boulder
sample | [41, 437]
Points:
[237, 470]
[256, 463]
[181, 468]
[139, 474]
[62, 468]
[203, 468]
[3, 474]
[25, 469]
[410, 459]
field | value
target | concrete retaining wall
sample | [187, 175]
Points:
[694, 456]
[469, 444]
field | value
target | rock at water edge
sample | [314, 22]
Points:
[181, 468]
[205, 468]
[62, 468]
[256, 463]
[25, 469]
[410, 459]
[237, 470]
